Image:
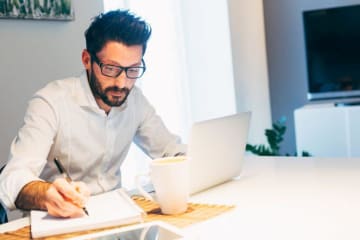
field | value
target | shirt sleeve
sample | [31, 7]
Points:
[152, 135]
[29, 150]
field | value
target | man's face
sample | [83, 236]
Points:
[112, 91]
[113, 96]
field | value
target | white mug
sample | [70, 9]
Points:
[170, 178]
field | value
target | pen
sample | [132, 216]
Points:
[175, 155]
[62, 171]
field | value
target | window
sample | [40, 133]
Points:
[165, 80]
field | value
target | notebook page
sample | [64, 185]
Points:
[105, 210]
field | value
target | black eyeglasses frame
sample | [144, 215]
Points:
[101, 65]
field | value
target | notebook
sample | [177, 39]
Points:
[216, 150]
[109, 209]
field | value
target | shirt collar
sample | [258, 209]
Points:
[83, 93]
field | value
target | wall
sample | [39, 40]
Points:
[250, 66]
[226, 56]
[33, 53]
[286, 57]
[208, 57]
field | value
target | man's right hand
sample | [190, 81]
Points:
[60, 198]
[64, 199]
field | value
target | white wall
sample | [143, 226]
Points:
[208, 56]
[32, 53]
[226, 56]
[250, 65]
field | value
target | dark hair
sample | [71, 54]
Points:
[120, 26]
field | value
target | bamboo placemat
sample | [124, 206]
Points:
[196, 212]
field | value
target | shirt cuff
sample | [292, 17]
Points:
[11, 185]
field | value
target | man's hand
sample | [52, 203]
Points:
[60, 198]
[64, 199]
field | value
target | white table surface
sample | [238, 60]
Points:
[288, 198]
[281, 198]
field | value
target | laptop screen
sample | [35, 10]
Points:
[216, 150]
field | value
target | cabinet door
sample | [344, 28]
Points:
[322, 131]
[354, 131]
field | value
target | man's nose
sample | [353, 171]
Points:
[121, 80]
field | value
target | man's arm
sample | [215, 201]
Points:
[26, 161]
[32, 196]
[152, 135]
[60, 198]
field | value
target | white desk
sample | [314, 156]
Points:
[284, 198]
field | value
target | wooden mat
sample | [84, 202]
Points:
[196, 213]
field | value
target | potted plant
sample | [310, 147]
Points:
[274, 137]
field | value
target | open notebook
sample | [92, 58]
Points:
[105, 210]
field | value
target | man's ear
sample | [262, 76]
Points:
[86, 59]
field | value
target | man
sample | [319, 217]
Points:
[88, 123]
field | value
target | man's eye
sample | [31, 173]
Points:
[110, 68]
[133, 70]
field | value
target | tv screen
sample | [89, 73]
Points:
[332, 43]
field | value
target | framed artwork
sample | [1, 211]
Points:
[37, 9]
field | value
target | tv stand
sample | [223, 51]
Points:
[326, 130]
[344, 104]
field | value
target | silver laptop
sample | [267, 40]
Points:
[216, 150]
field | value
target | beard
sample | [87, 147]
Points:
[120, 97]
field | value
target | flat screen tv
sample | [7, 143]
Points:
[332, 44]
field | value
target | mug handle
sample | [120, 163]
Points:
[141, 190]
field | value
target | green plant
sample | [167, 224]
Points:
[274, 137]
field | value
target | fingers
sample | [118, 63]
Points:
[82, 189]
[65, 199]
[70, 191]
[58, 206]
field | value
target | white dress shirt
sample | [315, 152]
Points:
[64, 121]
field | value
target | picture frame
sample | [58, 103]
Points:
[58, 10]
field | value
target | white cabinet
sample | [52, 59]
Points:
[324, 130]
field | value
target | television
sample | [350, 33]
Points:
[332, 45]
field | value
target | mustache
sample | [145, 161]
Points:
[117, 89]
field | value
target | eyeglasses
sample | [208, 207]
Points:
[115, 71]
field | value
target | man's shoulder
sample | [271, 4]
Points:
[137, 94]
[58, 89]
[139, 100]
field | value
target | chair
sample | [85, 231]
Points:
[3, 214]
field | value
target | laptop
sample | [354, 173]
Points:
[216, 150]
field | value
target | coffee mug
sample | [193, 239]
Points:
[170, 178]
